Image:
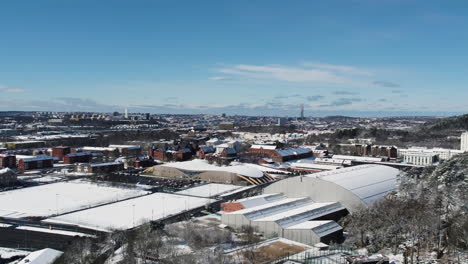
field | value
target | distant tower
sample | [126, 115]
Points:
[302, 111]
[126, 113]
[464, 142]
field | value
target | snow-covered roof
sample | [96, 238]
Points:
[207, 149]
[320, 228]
[357, 158]
[79, 154]
[368, 182]
[5, 171]
[294, 151]
[38, 158]
[98, 148]
[105, 164]
[310, 208]
[43, 256]
[271, 208]
[311, 166]
[202, 165]
[263, 147]
[125, 146]
[210, 190]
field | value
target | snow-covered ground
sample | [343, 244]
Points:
[132, 212]
[6, 253]
[50, 199]
[210, 190]
[45, 179]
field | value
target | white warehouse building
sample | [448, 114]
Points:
[306, 208]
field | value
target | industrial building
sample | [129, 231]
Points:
[201, 169]
[281, 155]
[420, 158]
[98, 167]
[441, 153]
[306, 208]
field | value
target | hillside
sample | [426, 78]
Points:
[448, 123]
[426, 218]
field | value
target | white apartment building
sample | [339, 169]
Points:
[443, 154]
[420, 158]
[464, 142]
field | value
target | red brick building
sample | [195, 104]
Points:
[7, 161]
[229, 153]
[80, 157]
[291, 154]
[60, 152]
[144, 162]
[166, 154]
[205, 151]
[183, 154]
[38, 162]
[263, 149]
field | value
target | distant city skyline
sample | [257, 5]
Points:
[354, 58]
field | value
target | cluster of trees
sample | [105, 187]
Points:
[448, 123]
[179, 243]
[428, 214]
[402, 138]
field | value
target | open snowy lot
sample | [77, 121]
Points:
[210, 190]
[58, 198]
[133, 212]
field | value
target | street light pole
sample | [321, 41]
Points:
[133, 215]
[56, 203]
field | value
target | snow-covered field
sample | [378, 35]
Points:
[210, 190]
[50, 199]
[132, 212]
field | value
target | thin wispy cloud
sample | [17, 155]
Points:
[315, 98]
[386, 84]
[342, 102]
[397, 91]
[343, 92]
[219, 78]
[7, 89]
[307, 73]
[337, 68]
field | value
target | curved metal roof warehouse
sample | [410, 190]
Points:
[352, 187]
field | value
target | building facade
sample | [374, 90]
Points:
[7, 161]
[38, 162]
[464, 142]
[81, 157]
[420, 158]
[60, 152]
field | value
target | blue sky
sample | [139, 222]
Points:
[350, 57]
